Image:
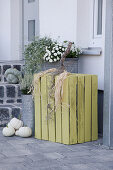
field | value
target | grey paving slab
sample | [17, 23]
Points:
[31, 154]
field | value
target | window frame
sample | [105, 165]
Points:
[95, 19]
[31, 32]
[29, 1]
[95, 39]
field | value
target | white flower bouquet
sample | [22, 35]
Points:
[56, 50]
[54, 53]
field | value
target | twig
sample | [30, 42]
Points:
[64, 56]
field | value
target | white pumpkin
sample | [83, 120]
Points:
[17, 133]
[9, 125]
[8, 131]
[24, 132]
[16, 123]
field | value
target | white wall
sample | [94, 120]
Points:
[5, 50]
[58, 18]
[83, 22]
[93, 65]
[16, 29]
[10, 29]
[90, 64]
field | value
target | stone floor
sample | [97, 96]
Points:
[31, 154]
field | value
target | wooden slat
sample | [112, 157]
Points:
[51, 113]
[87, 108]
[81, 114]
[73, 118]
[65, 113]
[94, 108]
[38, 128]
[58, 121]
[44, 97]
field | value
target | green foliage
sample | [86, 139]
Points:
[26, 84]
[34, 54]
[75, 51]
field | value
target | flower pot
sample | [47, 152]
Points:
[28, 115]
[71, 65]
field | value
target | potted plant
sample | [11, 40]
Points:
[53, 55]
[45, 53]
[27, 101]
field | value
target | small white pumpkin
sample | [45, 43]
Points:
[17, 133]
[9, 125]
[8, 131]
[16, 123]
[24, 132]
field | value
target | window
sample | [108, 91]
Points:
[99, 24]
[31, 30]
[98, 10]
[30, 1]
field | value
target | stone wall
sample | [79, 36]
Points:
[4, 67]
[10, 94]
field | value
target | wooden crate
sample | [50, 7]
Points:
[76, 119]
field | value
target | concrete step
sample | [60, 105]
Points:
[7, 112]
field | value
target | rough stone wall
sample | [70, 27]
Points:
[10, 95]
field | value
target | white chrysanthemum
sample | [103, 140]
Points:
[47, 59]
[73, 48]
[53, 51]
[55, 59]
[56, 48]
[60, 47]
[50, 60]
[58, 52]
[63, 49]
[55, 54]
[48, 52]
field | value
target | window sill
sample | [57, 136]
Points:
[94, 51]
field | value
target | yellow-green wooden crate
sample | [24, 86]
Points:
[76, 119]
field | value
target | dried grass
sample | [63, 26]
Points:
[37, 78]
[59, 88]
[55, 91]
